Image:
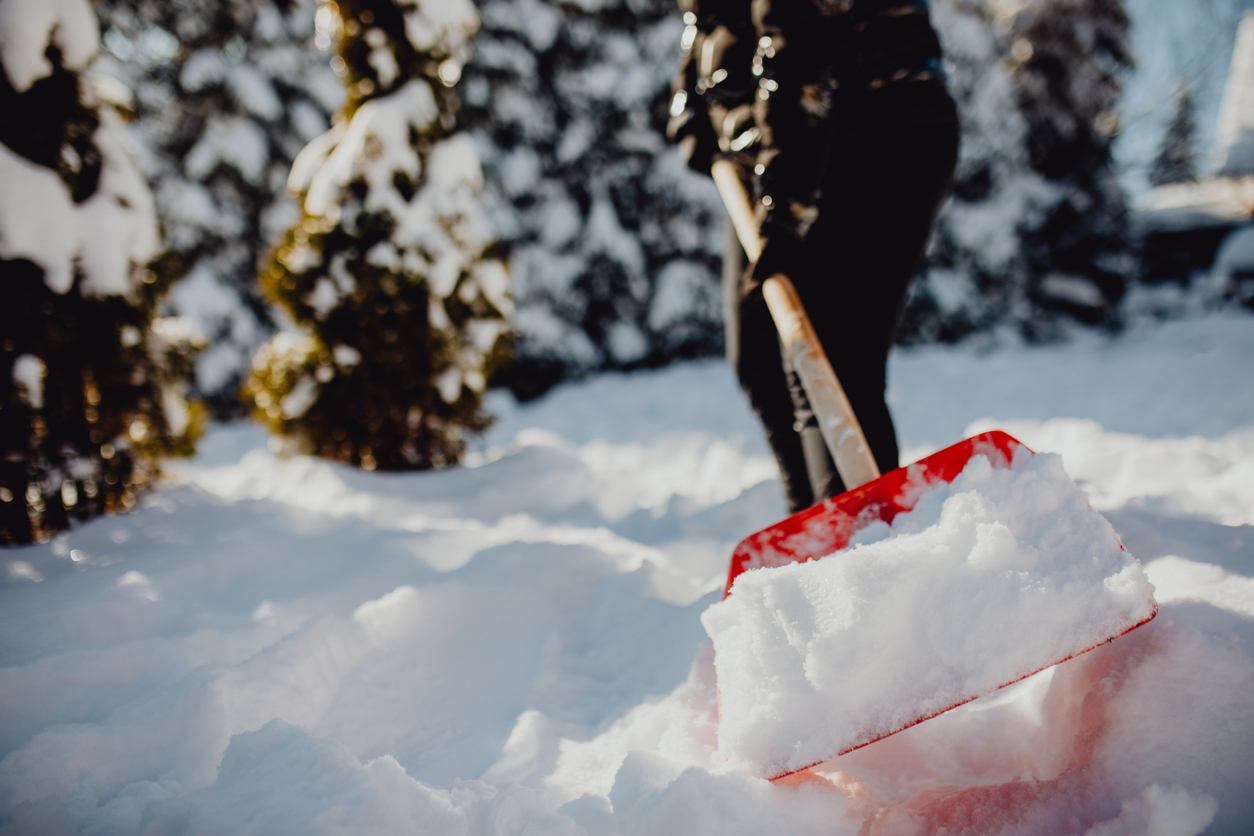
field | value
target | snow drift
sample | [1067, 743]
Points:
[287, 645]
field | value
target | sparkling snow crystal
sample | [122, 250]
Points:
[989, 579]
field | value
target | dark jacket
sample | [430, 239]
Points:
[761, 81]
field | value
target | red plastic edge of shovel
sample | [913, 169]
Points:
[828, 526]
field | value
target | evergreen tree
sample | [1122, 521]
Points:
[976, 275]
[1069, 57]
[1035, 236]
[228, 94]
[386, 272]
[90, 389]
[1176, 160]
[614, 245]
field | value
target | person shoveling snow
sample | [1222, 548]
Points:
[837, 115]
[816, 660]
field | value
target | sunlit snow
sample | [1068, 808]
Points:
[286, 645]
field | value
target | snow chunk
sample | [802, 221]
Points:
[1178, 579]
[311, 158]
[547, 334]
[177, 415]
[990, 578]
[388, 120]
[29, 27]
[139, 584]
[455, 162]
[119, 222]
[235, 141]
[441, 25]
[519, 172]
[29, 372]
[493, 280]
[1161, 810]
[1074, 289]
[297, 402]
[383, 60]
[285, 348]
[606, 235]
[482, 334]
[20, 570]
[323, 298]
[268, 776]
[346, 356]
[248, 85]
[449, 384]
[107, 235]
[627, 343]
[684, 289]
[37, 219]
[538, 22]
[170, 331]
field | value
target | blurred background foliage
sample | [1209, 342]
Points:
[91, 379]
[358, 305]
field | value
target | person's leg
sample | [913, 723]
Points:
[892, 167]
[753, 351]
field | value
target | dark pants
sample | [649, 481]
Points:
[892, 165]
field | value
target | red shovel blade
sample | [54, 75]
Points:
[827, 527]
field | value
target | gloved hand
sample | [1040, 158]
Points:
[783, 253]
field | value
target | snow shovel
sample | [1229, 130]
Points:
[829, 525]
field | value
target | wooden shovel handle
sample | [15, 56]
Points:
[838, 424]
[732, 189]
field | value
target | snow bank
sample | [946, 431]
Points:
[937, 392]
[1198, 477]
[989, 579]
[286, 645]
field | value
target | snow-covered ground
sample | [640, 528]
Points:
[283, 645]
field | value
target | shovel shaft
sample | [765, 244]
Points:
[831, 407]
[839, 426]
[726, 176]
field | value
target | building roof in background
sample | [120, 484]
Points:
[1234, 135]
[1214, 201]
[1227, 198]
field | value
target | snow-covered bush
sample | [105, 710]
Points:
[227, 95]
[1035, 235]
[388, 272]
[90, 384]
[614, 246]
